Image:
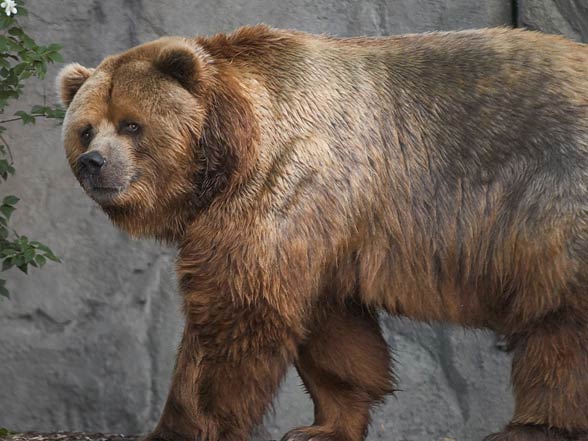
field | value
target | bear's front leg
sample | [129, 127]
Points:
[230, 362]
[550, 380]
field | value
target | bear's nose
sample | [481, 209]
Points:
[92, 162]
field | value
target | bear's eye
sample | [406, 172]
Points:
[86, 135]
[130, 127]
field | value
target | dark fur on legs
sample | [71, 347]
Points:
[345, 367]
[521, 432]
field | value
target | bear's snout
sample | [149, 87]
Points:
[91, 163]
[103, 174]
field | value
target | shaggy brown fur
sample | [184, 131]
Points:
[311, 181]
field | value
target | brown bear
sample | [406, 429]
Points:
[310, 182]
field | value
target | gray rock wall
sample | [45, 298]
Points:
[566, 17]
[89, 344]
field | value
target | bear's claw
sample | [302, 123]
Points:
[313, 433]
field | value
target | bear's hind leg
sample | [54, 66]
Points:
[550, 379]
[345, 366]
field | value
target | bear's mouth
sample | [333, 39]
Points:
[104, 189]
[102, 194]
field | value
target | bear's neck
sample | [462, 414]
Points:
[165, 224]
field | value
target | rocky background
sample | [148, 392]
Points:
[89, 344]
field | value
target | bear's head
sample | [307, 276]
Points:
[155, 134]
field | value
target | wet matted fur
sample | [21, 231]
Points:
[310, 181]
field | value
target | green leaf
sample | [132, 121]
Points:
[5, 21]
[10, 200]
[24, 268]
[5, 169]
[57, 112]
[55, 57]
[29, 254]
[4, 293]
[25, 117]
[40, 109]
[16, 31]
[52, 257]
[4, 165]
[46, 251]
[40, 246]
[4, 43]
[7, 264]
[7, 210]
[17, 71]
[40, 260]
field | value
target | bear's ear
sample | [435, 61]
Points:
[181, 62]
[69, 81]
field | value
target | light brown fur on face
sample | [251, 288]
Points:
[310, 181]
